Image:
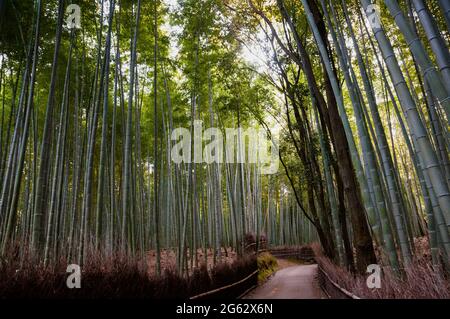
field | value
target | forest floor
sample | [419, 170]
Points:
[168, 258]
[289, 262]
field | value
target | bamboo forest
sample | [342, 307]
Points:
[184, 148]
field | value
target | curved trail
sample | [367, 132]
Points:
[294, 282]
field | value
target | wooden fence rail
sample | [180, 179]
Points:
[233, 290]
[331, 288]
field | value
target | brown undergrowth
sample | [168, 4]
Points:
[169, 259]
[418, 281]
[115, 276]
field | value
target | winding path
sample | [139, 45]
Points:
[293, 282]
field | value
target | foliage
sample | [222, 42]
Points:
[267, 265]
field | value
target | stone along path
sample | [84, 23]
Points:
[293, 282]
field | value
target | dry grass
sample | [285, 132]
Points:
[117, 276]
[168, 259]
[419, 281]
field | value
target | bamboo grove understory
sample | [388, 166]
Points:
[358, 94]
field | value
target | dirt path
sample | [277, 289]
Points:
[293, 282]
